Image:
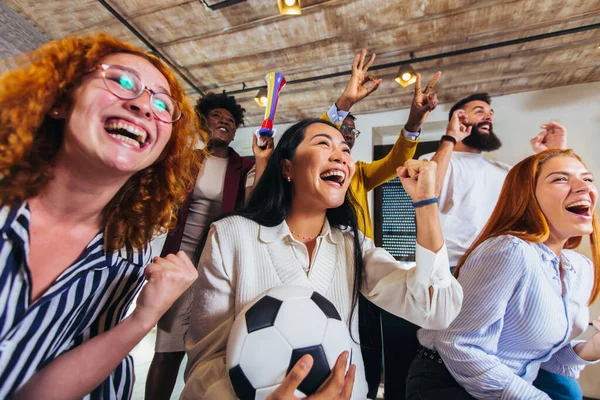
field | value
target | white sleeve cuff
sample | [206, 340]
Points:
[337, 116]
[433, 269]
[411, 135]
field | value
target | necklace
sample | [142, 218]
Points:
[304, 237]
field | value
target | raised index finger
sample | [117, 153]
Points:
[432, 83]
[418, 84]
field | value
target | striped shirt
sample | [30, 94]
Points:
[88, 298]
[514, 318]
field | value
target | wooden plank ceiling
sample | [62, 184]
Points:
[220, 50]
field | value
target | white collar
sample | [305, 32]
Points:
[269, 234]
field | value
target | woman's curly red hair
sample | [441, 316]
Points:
[29, 140]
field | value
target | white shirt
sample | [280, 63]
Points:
[243, 259]
[251, 177]
[206, 202]
[471, 189]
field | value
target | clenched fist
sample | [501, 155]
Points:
[418, 179]
[167, 279]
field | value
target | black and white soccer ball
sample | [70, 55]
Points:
[274, 331]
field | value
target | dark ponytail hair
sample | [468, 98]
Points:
[271, 200]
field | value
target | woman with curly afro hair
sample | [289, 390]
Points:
[220, 188]
[96, 156]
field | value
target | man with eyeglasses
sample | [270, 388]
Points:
[349, 130]
[367, 177]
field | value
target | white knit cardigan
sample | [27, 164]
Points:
[243, 259]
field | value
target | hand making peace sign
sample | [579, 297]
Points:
[423, 103]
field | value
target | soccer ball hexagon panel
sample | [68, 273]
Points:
[280, 352]
[274, 331]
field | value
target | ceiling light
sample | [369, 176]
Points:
[217, 5]
[289, 7]
[261, 97]
[406, 75]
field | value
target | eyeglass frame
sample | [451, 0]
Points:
[104, 67]
[353, 131]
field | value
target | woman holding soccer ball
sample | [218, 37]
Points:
[300, 228]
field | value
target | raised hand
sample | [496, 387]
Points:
[262, 153]
[357, 88]
[423, 103]
[337, 387]
[167, 279]
[418, 179]
[457, 127]
[553, 136]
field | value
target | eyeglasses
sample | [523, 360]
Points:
[353, 131]
[127, 85]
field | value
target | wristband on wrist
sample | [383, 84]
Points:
[448, 138]
[425, 202]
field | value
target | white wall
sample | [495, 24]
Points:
[517, 119]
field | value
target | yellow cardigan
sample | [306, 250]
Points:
[370, 175]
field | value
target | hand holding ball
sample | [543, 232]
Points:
[274, 331]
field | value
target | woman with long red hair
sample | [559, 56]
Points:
[526, 292]
[96, 155]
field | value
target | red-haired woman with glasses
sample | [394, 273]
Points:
[96, 155]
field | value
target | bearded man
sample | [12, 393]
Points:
[468, 184]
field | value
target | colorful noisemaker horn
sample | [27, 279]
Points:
[275, 82]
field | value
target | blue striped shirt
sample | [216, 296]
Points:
[514, 319]
[88, 298]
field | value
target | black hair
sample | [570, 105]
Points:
[205, 104]
[351, 116]
[271, 200]
[474, 97]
